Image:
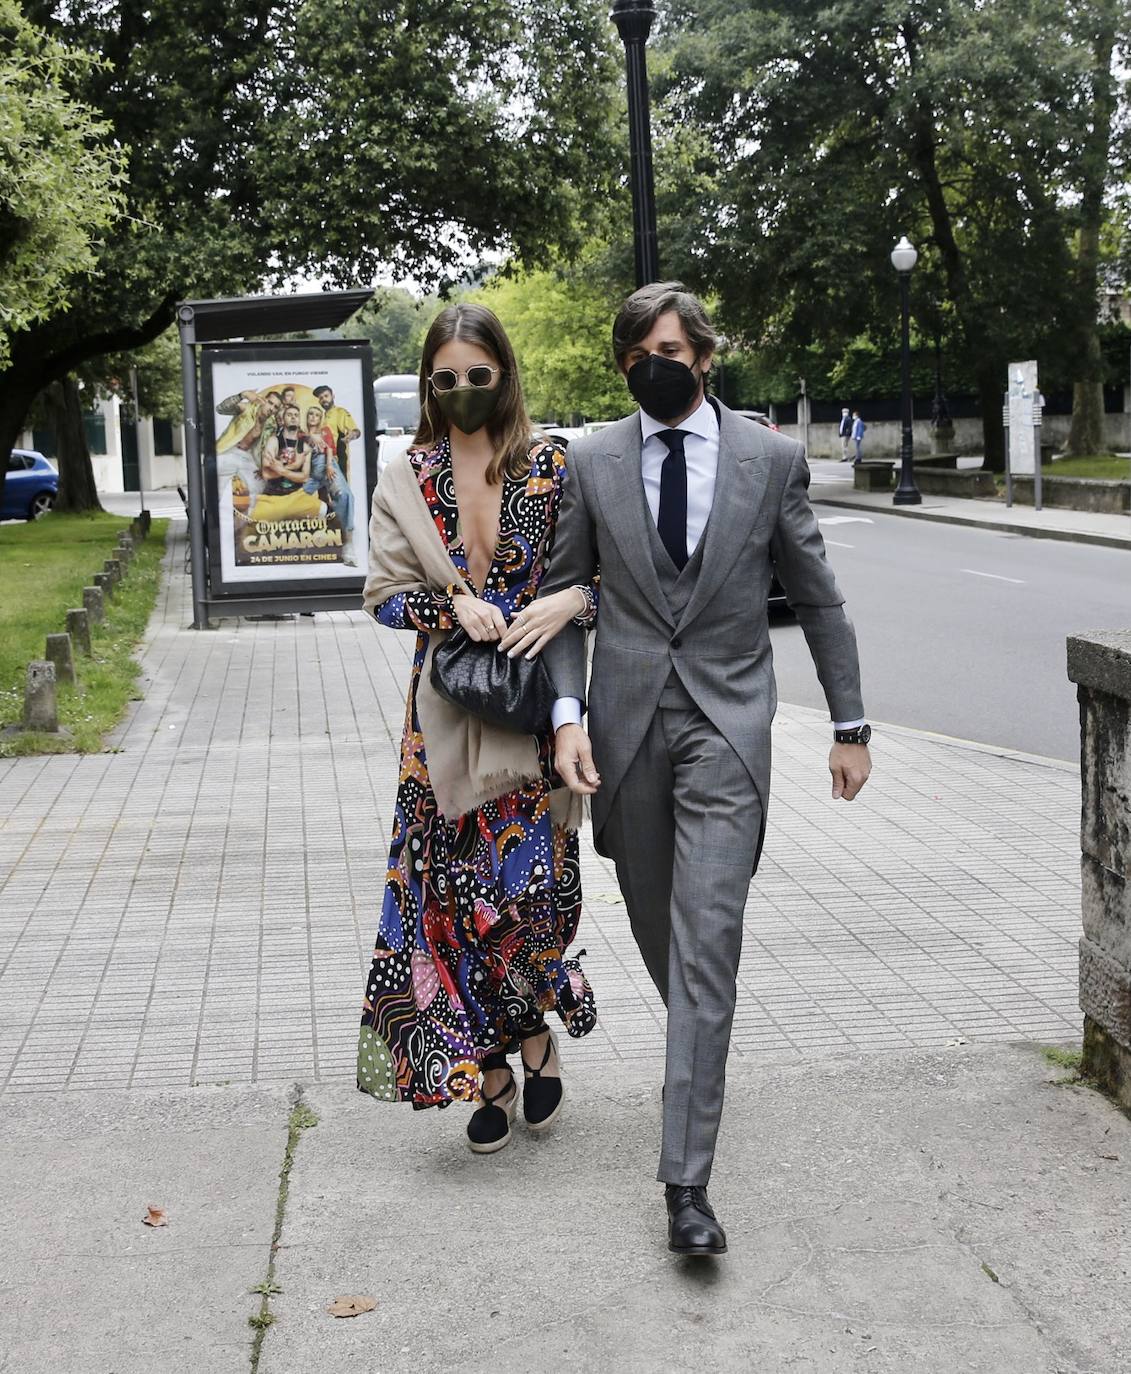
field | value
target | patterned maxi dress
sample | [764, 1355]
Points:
[478, 913]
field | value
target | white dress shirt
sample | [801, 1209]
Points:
[701, 450]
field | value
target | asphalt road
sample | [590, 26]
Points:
[962, 631]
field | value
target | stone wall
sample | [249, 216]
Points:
[1076, 493]
[1100, 664]
[883, 436]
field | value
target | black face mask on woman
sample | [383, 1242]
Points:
[468, 407]
[662, 387]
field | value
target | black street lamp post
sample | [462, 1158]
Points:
[633, 19]
[903, 259]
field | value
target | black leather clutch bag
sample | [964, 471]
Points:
[516, 693]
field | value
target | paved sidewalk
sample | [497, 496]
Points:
[199, 904]
[832, 485]
[929, 1210]
[904, 1183]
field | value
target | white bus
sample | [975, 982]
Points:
[397, 405]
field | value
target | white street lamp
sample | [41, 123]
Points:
[903, 255]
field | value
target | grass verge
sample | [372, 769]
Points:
[1105, 465]
[43, 569]
[1073, 1061]
[302, 1118]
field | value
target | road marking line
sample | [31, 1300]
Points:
[845, 520]
[996, 576]
[837, 544]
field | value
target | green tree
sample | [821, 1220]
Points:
[395, 322]
[560, 323]
[1098, 26]
[321, 138]
[820, 133]
[60, 179]
[60, 190]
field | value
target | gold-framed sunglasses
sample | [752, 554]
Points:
[447, 378]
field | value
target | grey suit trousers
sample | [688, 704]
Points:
[683, 832]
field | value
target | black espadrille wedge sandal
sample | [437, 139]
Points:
[541, 1097]
[490, 1126]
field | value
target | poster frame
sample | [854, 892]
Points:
[288, 587]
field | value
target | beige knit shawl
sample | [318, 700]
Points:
[470, 762]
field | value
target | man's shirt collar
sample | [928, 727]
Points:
[702, 422]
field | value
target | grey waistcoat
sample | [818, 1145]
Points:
[677, 586]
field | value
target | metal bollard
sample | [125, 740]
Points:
[92, 603]
[78, 627]
[40, 709]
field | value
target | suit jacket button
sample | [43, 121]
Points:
[677, 642]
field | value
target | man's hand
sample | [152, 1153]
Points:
[850, 765]
[573, 756]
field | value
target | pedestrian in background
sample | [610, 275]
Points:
[858, 428]
[844, 433]
[483, 890]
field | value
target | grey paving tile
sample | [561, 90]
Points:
[166, 917]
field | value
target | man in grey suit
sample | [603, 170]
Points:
[687, 510]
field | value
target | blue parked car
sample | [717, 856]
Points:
[30, 486]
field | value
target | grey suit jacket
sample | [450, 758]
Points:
[761, 521]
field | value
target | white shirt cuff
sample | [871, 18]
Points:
[848, 724]
[565, 711]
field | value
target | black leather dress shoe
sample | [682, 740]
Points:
[693, 1228]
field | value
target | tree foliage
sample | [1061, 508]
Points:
[60, 180]
[269, 138]
[395, 322]
[821, 133]
[560, 323]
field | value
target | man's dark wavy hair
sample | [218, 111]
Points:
[643, 308]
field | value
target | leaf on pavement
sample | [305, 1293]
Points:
[155, 1216]
[351, 1306]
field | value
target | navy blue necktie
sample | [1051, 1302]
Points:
[672, 519]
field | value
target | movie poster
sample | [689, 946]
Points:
[291, 431]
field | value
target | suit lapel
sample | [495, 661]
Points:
[617, 476]
[740, 486]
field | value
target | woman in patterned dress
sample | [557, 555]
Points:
[479, 910]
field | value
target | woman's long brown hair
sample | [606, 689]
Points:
[510, 428]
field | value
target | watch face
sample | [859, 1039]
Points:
[861, 735]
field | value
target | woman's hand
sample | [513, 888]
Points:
[480, 619]
[533, 628]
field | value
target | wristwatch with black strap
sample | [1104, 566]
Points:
[860, 734]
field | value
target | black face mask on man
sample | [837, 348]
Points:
[662, 387]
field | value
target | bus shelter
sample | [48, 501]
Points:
[280, 450]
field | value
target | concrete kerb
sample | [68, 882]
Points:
[998, 526]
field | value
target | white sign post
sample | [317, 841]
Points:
[1022, 416]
